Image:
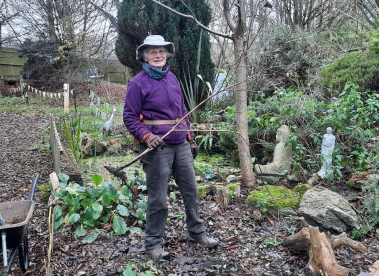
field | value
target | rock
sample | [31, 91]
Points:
[358, 179]
[90, 145]
[328, 210]
[233, 178]
[302, 188]
[199, 178]
[115, 148]
[274, 197]
[269, 179]
[313, 179]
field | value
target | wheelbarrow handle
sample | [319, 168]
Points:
[34, 186]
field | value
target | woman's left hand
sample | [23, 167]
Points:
[194, 148]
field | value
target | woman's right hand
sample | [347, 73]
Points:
[153, 141]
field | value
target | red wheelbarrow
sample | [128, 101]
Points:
[14, 234]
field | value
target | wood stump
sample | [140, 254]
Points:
[322, 260]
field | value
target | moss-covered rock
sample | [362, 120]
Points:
[302, 188]
[274, 197]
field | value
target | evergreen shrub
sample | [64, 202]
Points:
[361, 68]
[138, 19]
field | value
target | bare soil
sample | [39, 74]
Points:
[246, 239]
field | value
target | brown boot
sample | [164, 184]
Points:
[158, 253]
[205, 241]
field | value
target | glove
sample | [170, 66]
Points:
[153, 141]
[194, 147]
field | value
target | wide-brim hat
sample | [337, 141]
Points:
[155, 40]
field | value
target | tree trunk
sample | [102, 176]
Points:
[241, 118]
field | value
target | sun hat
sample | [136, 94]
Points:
[154, 40]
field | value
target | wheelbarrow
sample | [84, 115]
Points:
[14, 234]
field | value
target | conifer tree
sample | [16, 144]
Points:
[138, 18]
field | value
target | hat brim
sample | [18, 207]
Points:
[169, 46]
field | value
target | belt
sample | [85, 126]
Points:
[162, 122]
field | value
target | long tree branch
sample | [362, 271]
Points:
[198, 23]
[232, 25]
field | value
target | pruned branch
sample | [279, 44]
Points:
[198, 23]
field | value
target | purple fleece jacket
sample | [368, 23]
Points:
[155, 100]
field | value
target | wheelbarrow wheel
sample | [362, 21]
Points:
[23, 253]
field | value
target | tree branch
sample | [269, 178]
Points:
[194, 19]
[110, 17]
[232, 25]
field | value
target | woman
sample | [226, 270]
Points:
[153, 104]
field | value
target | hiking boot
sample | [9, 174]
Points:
[205, 241]
[158, 253]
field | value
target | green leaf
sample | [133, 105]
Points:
[97, 179]
[89, 223]
[93, 192]
[80, 231]
[58, 222]
[91, 237]
[119, 225]
[44, 187]
[74, 218]
[106, 199]
[97, 209]
[64, 178]
[112, 191]
[122, 210]
[57, 211]
[125, 191]
[134, 230]
[129, 272]
[105, 218]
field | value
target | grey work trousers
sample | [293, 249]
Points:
[158, 165]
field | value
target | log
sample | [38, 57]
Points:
[342, 239]
[299, 242]
[322, 260]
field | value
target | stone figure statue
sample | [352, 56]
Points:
[282, 155]
[327, 148]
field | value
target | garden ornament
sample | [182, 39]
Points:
[282, 155]
[327, 148]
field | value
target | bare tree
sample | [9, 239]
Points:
[307, 14]
[7, 18]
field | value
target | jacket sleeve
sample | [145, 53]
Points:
[134, 100]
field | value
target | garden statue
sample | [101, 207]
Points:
[282, 155]
[327, 148]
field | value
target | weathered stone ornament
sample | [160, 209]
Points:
[282, 155]
[327, 147]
